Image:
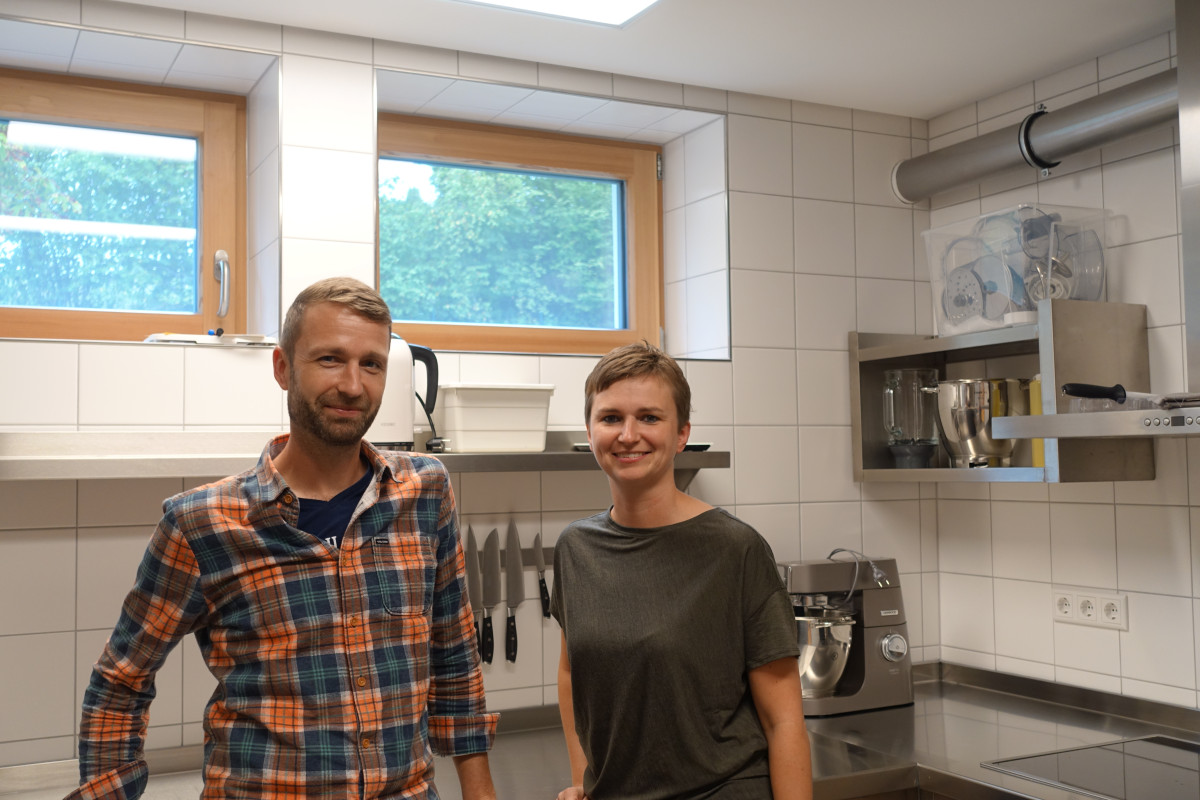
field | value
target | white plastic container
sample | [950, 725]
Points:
[494, 418]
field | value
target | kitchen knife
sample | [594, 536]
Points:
[474, 585]
[515, 573]
[539, 558]
[491, 591]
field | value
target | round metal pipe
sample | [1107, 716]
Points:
[1042, 138]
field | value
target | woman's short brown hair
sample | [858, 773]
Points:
[354, 294]
[635, 361]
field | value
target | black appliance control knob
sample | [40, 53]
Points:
[893, 646]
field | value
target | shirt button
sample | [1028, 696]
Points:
[353, 621]
[288, 498]
[362, 681]
[366, 742]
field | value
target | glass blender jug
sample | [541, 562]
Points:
[910, 415]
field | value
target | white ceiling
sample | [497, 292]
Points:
[917, 58]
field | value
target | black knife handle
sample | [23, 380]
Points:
[488, 641]
[510, 639]
[478, 634]
[545, 596]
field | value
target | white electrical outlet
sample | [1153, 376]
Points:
[1080, 606]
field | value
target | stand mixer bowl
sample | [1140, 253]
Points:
[824, 636]
[965, 411]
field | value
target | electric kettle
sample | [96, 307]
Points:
[395, 425]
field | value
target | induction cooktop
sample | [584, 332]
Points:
[1147, 768]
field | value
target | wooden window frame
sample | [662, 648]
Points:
[634, 163]
[218, 122]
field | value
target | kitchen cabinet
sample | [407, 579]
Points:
[1072, 341]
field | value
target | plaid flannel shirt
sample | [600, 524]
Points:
[340, 672]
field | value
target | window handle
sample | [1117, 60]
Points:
[221, 273]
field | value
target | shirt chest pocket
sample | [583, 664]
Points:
[405, 572]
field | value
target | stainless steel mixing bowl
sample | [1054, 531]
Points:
[965, 411]
[824, 649]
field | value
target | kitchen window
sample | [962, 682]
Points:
[504, 239]
[116, 201]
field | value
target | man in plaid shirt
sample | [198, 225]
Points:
[326, 590]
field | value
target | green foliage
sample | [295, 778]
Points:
[50, 269]
[503, 248]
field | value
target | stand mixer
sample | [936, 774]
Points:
[853, 635]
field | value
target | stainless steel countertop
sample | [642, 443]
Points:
[938, 742]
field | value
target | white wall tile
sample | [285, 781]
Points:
[760, 232]
[875, 155]
[712, 392]
[674, 245]
[778, 524]
[824, 232]
[1154, 549]
[764, 387]
[1083, 544]
[328, 103]
[400, 55]
[568, 376]
[675, 326]
[144, 371]
[53, 367]
[706, 225]
[883, 242]
[328, 194]
[825, 311]
[765, 465]
[893, 529]
[37, 581]
[306, 261]
[929, 534]
[706, 98]
[1024, 628]
[886, 306]
[133, 18]
[964, 537]
[1157, 647]
[824, 527]
[823, 387]
[1085, 648]
[322, 44]
[931, 608]
[1098, 492]
[262, 125]
[1147, 273]
[1021, 541]
[111, 556]
[1065, 81]
[37, 504]
[649, 91]
[497, 493]
[875, 122]
[760, 155]
[262, 188]
[822, 163]
[1157, 48]
[575, 80]
[35, 689]
[708, 313]
[759, 106]
[1017, 98]
[967, 626]
[105, 502]
[235, 32]
[954, 120]
[574, 491]
[1140, 193]
[826, 469]
[674, 174]
[486, 368]
[1166, 359]
[230, 386]
[493, 68]
[761, 309]
[52, 10]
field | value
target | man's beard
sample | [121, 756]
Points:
[308, 417]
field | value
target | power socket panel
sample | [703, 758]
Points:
[1092, 607]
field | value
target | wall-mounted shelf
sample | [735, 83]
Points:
[1073, 341]
[77, 455]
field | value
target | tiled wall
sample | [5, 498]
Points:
[817, 246]
[1002, 549]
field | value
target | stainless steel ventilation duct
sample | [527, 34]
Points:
[1042, 139]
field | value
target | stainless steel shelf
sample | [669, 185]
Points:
[76, 455]
[957, 475]
[1101, 425]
